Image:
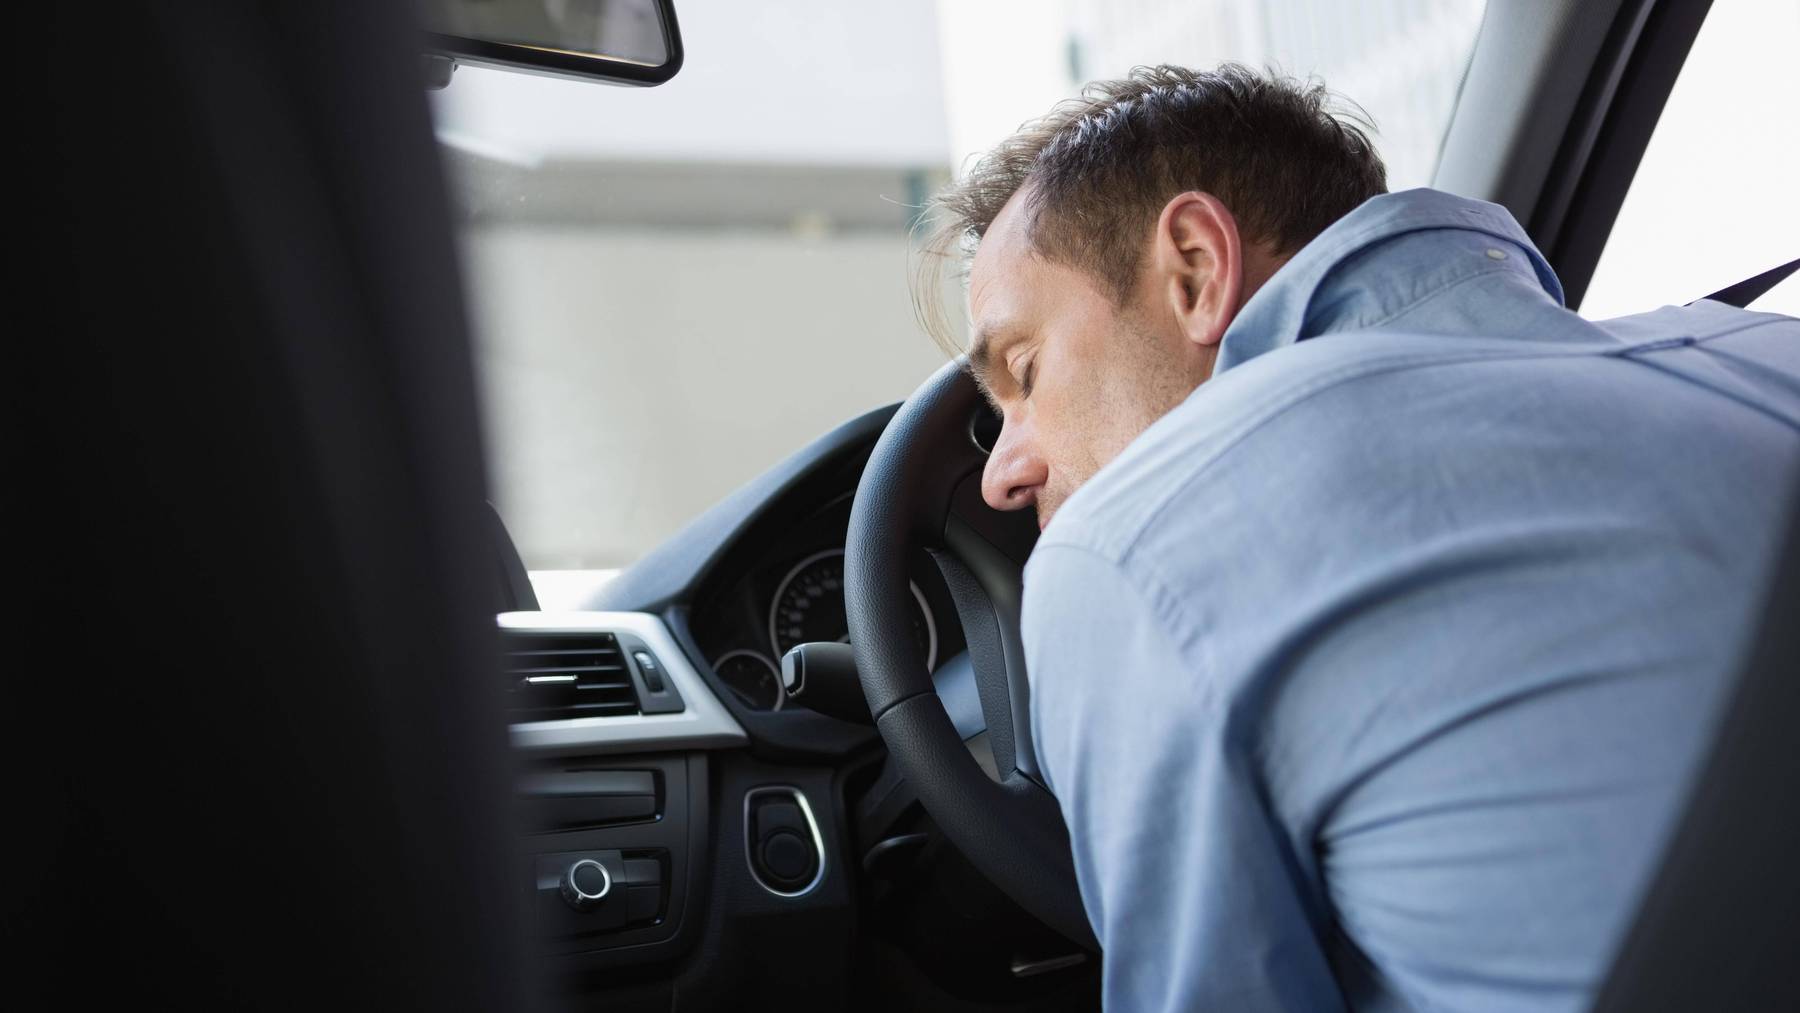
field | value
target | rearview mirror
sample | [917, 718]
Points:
[623, 41]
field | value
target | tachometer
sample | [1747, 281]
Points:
[752, 677]
[809, 606]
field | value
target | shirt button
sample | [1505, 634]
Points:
[1494, 254]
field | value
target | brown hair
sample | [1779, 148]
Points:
[1096, 171]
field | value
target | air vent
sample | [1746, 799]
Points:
[567, 675]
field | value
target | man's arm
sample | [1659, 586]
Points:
[1184, 875]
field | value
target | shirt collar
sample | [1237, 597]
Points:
[1277, 315]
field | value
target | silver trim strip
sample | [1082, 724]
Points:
[811, 824]
[705, 724]
[1029, 968]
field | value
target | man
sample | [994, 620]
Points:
[1383, 605]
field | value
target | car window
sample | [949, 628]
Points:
[674, 288]
[1713, 200]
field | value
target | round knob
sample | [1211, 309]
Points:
[586, 884]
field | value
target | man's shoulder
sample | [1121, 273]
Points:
[1295, 393]
[1277, 439]
[1280, 439]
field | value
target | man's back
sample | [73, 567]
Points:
[1377, 668]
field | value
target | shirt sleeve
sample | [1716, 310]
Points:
[1181, 868]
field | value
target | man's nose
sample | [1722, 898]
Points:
[1014, 471]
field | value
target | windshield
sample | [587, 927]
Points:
[674, 288]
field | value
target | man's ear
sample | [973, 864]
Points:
[1199, 264]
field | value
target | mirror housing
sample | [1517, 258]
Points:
[630, 42]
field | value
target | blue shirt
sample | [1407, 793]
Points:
[1372, 675]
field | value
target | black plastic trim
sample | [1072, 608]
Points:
[1005, 703]
[587, 68]
[516, 592]
[1611, 126]
[1717, 926]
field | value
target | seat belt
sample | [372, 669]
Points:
[1750, 289]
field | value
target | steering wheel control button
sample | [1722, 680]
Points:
[781, 841]
[585, 884]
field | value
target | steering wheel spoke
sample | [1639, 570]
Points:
[985, 585]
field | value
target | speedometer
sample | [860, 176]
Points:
[809, 606]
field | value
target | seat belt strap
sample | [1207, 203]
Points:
[1747, 291]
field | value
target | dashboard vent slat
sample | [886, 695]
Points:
[553, 676]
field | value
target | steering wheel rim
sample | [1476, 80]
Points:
[921, 489]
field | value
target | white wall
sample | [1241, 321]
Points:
[1004, 62]
[631, 379]
[1402, 61]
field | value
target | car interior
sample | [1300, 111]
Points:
[324, 747]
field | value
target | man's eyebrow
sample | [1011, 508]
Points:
[978, 355]
[980, 359]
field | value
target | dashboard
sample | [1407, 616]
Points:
[692, 825]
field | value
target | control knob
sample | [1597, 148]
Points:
[585, 884]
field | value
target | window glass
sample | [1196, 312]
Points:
[1714, 200]
[673, 288]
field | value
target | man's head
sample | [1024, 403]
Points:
[1114, 241]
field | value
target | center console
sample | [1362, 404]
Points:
[613, 849]
[615, 729]
[657, 848]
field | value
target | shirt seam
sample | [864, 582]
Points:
[1329, 381]
[1651, 346]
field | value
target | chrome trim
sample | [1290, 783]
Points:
[812, 824]
[1028, 968]
[931, 633]
[570, 886]
[537, 679]
[705, 724]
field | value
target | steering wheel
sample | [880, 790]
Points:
[921, 489]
